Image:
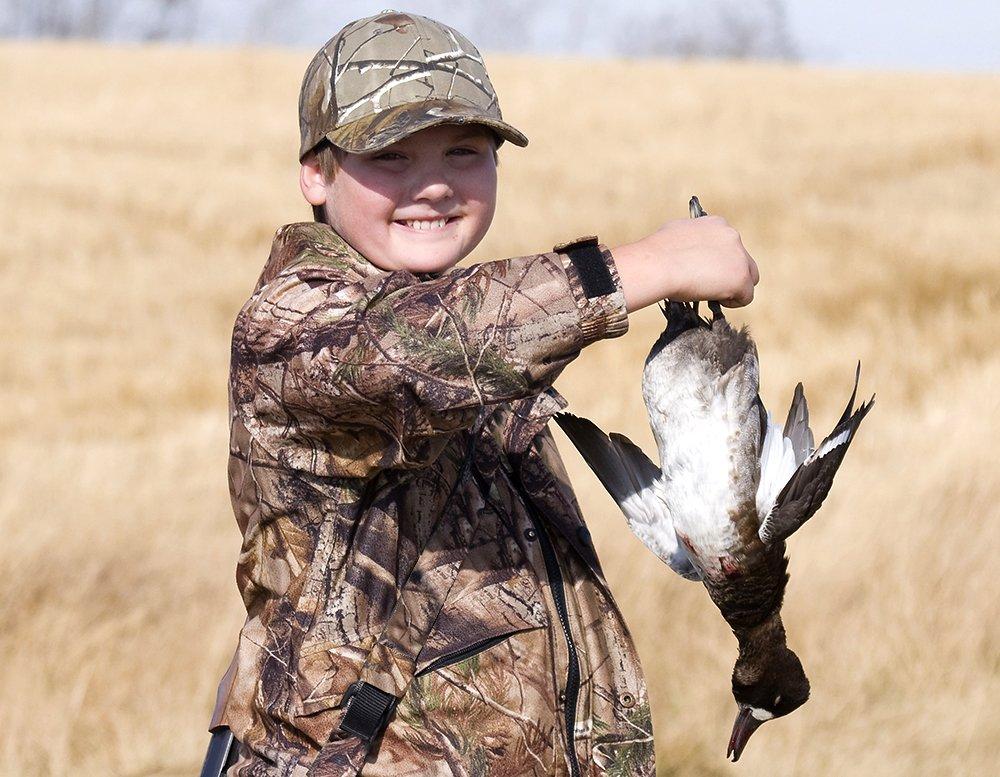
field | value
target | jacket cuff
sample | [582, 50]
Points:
[593, 279]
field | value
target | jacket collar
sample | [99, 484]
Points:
[312, 242]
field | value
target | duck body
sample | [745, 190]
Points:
[700, 386]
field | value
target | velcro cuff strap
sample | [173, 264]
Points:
[368, 710]
[595, 277]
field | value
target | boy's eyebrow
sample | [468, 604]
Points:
[467, 131]
[472, 131]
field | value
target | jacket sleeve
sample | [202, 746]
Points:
[418, 358]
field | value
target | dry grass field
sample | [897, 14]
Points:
[139, 190]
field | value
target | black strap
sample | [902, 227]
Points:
[368, 710]
[595, 277]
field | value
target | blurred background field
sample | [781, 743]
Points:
[139, 191]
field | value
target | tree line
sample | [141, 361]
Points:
[734, 29]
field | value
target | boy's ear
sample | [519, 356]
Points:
[312, 181]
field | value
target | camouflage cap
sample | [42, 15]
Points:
[387, 76]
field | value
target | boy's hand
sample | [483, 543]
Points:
[687, 260]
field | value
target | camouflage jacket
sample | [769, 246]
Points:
[407, 520]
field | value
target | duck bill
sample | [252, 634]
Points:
[744, 726]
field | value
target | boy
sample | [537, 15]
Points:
[421, 593]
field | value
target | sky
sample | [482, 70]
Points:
[959, 35]
[948, 35]
[914, 34]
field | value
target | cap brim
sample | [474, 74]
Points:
[375, 132]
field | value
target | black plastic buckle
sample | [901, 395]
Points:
[368, 710]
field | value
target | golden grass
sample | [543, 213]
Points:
[139, 193]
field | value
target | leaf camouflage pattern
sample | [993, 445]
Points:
[407, 521]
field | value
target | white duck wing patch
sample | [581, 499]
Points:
[635, 483]
[808, 486]
[777, 465]
[783, 450]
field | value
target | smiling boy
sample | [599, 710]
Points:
[422, 595]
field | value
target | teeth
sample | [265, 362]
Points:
[423, 224]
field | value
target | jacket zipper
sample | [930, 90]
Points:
[554, 572]
[572, 689]
[573, 674]
[463, 654]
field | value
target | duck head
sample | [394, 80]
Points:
[766, 686]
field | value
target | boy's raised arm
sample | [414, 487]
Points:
[413, 358]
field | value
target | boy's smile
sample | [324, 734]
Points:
[421, 204]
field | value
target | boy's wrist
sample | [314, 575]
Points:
[636, 268]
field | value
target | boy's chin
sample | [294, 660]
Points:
[430, 264]
[425, 258]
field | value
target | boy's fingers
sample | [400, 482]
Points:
[736, 302]
[741, 300]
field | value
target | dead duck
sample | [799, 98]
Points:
[731, 487]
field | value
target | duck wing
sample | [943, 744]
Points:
[811, 479]
[635, 483]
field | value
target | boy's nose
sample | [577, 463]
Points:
[432, 187]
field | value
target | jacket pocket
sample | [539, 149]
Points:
[473, 650]
[496, 594]
[496, 710]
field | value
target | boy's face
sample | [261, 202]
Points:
[421, 204]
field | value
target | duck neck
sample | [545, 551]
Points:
[760, 640]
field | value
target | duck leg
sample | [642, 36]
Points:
[694, 206]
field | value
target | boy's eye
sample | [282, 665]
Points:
[388, 155]
[464, 150]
